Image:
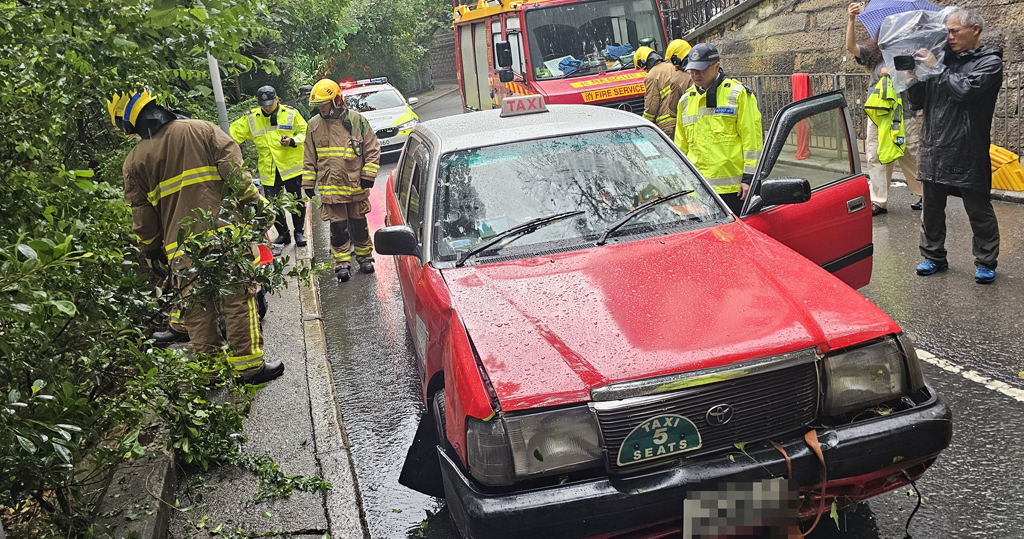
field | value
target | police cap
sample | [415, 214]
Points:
[701, 56]
[266, 95]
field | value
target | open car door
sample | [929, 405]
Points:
[814, 139]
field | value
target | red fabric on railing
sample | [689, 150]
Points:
[802, 90]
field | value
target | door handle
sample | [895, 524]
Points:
[856, 205]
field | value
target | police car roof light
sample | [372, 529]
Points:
[523, 104]
[375, 80]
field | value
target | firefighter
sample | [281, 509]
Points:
[342, 157]
[660, 95]
[718, 127]
[278, 132]
[177, 168]
[675, 54]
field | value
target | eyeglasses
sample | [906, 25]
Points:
[953, 32]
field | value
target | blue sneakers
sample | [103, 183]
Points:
[983, 275]
[929, 267]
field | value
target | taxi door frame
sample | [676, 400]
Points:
[833, 228]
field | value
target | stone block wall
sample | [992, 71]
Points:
[442, 54]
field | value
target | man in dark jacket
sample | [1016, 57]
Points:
[958, 105]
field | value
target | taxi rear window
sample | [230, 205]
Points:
[484, 191]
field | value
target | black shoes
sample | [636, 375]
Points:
[877, 210]
[283, 239]
[916, 206]
[268, 372]
[300, 238]
[169, 336]
[366, 265]
[343, 274]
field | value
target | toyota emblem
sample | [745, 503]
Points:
[625, 106]
[719, 415]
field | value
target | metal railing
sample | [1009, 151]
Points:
[683, 16]
[775, 91]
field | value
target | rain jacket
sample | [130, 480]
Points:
[885, 108]
[664, 85]
[720, 132]
[338, 154]
[266, 132]
[176, 171]
[958, 106]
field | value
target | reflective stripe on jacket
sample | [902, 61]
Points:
[337, 156]
[173, 173]
[885, 108]
[266, 133]
[724, 142]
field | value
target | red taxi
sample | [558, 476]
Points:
[600, 338]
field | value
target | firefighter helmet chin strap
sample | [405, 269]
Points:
[338, 109]
[152, 119]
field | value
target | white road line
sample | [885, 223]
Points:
[974, 376]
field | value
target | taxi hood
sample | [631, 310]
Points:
[550, 329]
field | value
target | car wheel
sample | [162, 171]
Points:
[439, 418]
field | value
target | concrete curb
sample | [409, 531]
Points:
[135, 503]
[1008, 196]
[435, 97]
[332, 449]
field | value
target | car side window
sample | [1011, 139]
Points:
[405, 173]
[817, 150]
[414, 215]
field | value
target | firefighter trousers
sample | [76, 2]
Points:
[348, 227]
[242, 327]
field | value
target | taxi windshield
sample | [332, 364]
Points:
[375, 100]
[484, 191]
[570, 40]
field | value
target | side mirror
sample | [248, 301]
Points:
[778, 191]
[413, 100]
[503, 53]
[396, 240]
[506, 75]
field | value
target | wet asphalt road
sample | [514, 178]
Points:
[972, 491]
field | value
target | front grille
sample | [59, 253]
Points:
[387, 132]
[634, 105]
[765, 406]
[392, 147]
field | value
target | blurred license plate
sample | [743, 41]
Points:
[766, 508]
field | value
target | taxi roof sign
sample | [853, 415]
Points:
[523, 104]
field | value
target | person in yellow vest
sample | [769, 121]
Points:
[341, 158]
[718, 127]
[278, 132]
[663, 86]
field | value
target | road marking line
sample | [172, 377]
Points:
[974, 376]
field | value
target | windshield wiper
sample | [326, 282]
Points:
[518, 230]
[637, 211]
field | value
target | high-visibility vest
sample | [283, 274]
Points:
[724, 142]
[273, 157]
[885, 108]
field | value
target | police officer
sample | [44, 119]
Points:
[342, 157]
[664, 84]
[278, 132]
[302, 102]
[177, 168]
[718, 127]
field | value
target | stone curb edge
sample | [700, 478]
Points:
[433, 98]
[135, 502]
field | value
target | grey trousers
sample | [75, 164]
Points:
[979, 211]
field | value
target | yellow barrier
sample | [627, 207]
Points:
[1007, 173]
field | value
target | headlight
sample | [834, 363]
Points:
[864, 377]
[554, 442]
[915, 376]
[408, 125]
[502, 451]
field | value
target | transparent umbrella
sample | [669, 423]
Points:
[878, 10]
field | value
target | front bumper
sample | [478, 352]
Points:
[854, 454]
[393, 145]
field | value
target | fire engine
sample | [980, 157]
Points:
[568, 51]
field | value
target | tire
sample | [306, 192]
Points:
[437, 407]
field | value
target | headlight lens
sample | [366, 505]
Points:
[408, 125]
[915, 376]
[553, 442]
[864, 377]
[487, 452]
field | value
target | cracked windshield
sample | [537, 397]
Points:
[367, 101]
[483, 192]
[580, 39]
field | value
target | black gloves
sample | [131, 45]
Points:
[292, 143]
[747, 179]
[157, 256]
[310, 193]
[365, 184]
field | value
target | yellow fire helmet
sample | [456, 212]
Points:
[677, 51]
[324, 91]
[645, 57]
[115, 106]
[136, 103]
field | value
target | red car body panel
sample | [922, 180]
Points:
[550, 329]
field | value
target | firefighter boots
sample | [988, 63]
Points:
[169, 336]
[262, 374]
[365, 264]
[343, 274]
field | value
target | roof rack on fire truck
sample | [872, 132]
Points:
[363, 82]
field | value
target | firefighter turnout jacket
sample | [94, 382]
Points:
[266, 132]
[173, 173]
[720, 132]
[338, 154]
[664, 85]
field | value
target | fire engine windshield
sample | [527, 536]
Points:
[570, 40]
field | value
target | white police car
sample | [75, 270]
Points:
[387, 110]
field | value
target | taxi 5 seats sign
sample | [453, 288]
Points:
[658, 437]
